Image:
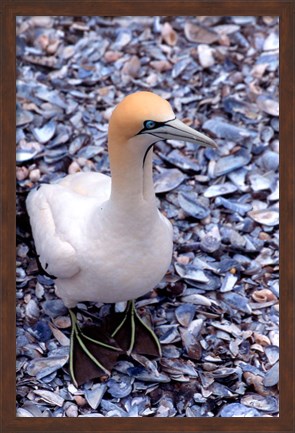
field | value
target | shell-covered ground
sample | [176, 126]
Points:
[216, 312]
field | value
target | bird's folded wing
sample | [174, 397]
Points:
[88, 184]
[57, 256]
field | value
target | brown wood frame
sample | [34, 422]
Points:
[9, 10]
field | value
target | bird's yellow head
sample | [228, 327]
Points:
[137, 111]
[142, 119]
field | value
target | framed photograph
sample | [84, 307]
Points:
[186, 333]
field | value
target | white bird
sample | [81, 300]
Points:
[104, 238]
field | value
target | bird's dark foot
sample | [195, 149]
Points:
[89, 357]
[134, 335]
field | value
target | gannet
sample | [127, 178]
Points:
[103, 238]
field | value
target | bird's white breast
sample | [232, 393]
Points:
[122, 260]
[121, 254]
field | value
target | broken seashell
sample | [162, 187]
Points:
[52, 96]
[205, 54]
[270, 160]
[200, 34]
[273, 353]
[23, 117]
[41, 367]
[197, 299]
[179, 366]
[233, 206]
[264, 295]
[189, 337]
[132, 67]
[181, 161]
[266, 404]
[228, 282]
[230, 163]
[185, 314]
[237, 302]
[191, 272]
[32, 310]
[23, 155]
[168, 180]
[144, 375]
[271, 42]
[238, 410]
[49, 397]
[267, 104]
[120, 386]
[123, 38]
[169, 35]
[267, 217]
[46, 132]
[272, 375]
[220, 189]
[210, 243]
[191, 206]
[95, 394]
[261, 339]
[222, 129]
[168, 334]
[260, 182]
[60, 336]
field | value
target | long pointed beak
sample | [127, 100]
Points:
[177, 130]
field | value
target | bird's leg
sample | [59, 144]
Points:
[150, 331]
[78, 337]
[114, 333]
[132, 316]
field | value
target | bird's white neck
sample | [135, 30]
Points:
[132, 180]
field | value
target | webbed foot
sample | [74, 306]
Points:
[89, 357]
[134, 335]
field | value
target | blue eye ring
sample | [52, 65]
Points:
[149, 124]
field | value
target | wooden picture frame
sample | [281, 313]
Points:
[285, 9]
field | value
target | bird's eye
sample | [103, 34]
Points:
[149, 124]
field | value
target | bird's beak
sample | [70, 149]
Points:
[177, 130]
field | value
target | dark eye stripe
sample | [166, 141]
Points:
[154, 126]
